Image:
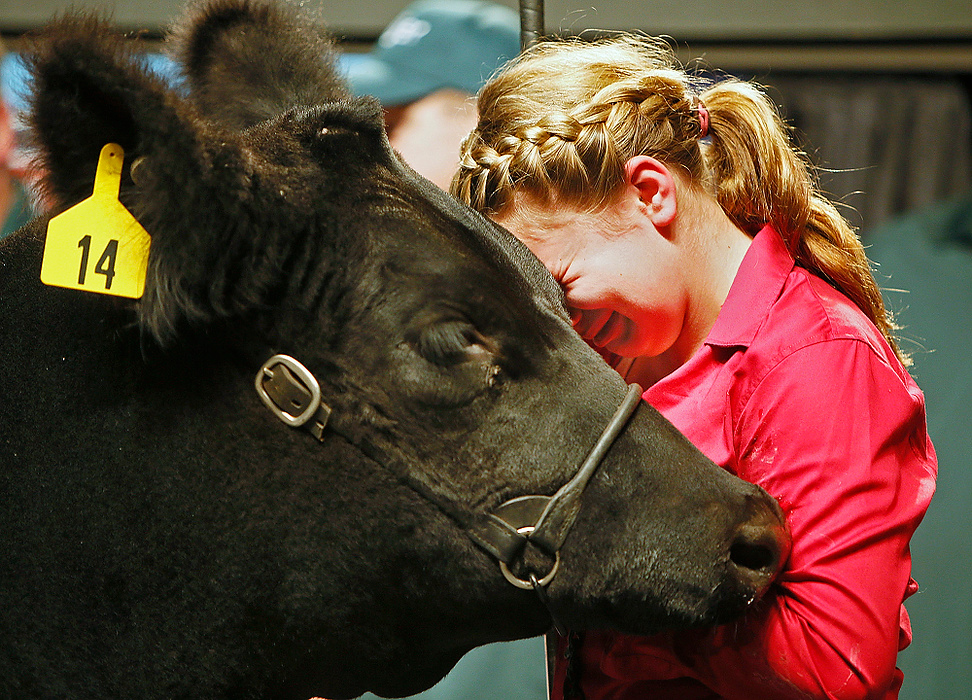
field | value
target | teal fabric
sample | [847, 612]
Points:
[925, 267]
[20, 213]
[436, 44]
[504, 671]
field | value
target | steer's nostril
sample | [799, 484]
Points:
[758, 546]
[756, 556]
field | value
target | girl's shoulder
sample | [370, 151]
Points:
[813, 329]
[809, 310]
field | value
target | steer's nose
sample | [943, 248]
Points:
[760, 545]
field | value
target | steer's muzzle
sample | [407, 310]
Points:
[760, 546]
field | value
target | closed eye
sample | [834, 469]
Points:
[451, 342]
[446, 363]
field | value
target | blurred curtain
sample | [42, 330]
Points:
[888, 144]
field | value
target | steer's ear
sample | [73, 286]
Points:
[251, 60]
[194, 184]
[90, 88]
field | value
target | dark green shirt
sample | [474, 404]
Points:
[925, 269]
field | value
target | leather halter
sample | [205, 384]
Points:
[545, 521]
[293, 394]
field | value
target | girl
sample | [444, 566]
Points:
[698, 256]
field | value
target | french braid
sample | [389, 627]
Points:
[560, 121]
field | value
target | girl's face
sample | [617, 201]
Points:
[620, 275]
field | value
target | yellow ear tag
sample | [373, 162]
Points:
[97, 245]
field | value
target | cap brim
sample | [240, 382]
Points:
[391, 84]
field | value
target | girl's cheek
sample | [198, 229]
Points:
[586, 323]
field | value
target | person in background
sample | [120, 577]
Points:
[924, 261]
[697, 254]
[15, 207]
[426, 68]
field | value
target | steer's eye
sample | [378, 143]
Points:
[451, 342]
[445, 362]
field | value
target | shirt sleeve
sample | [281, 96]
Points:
[838, 436]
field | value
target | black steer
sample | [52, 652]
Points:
[164, 535]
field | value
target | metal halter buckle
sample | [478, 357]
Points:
[292, 393]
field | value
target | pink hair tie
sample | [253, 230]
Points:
[703, 119]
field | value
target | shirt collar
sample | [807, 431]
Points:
[755, 288]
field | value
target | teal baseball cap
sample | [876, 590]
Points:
[436, 44]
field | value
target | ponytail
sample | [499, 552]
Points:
[759, 177]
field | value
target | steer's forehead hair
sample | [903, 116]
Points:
[497, 245]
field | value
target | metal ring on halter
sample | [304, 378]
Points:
[529, 585]
[534, 581]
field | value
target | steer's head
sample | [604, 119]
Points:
[282, 222]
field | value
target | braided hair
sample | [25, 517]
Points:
[559, 123]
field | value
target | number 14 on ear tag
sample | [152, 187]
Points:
[97, 245]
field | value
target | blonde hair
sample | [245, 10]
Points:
[561, 120]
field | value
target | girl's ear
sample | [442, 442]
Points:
[655, 185]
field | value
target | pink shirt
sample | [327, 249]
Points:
[795, 390]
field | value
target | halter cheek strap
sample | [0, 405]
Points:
[545, 521]
[293, 394]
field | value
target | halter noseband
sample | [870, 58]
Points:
[293, 394]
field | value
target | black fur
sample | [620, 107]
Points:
[162, 535]
[251, 61]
